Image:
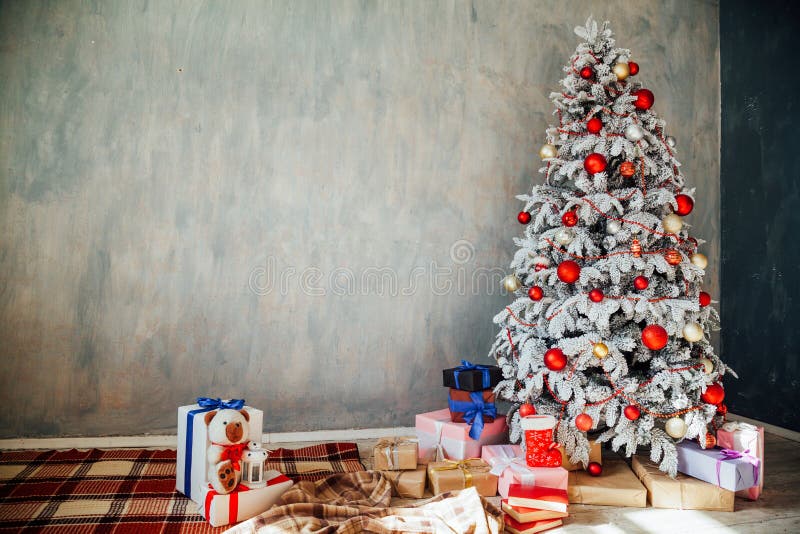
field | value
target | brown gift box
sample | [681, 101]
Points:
[595, 455]
[453, 475]
[409, 484]
[617, 486]
[683, 492]
[463, 396]
[395, 454]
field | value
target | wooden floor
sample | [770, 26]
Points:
[778, 509]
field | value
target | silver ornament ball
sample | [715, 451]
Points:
[612, 226]
[634, 132]
[670, 141]
[565, 236]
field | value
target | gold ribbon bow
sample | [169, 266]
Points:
[466, 466]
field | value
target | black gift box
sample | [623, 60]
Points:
[468, 377]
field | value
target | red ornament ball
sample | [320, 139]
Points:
[627, 169]
[527, 409]
[595, 295]
[583, 422]
[554, 359]
[714, 394]
[570, 218]
[705, 299]
[673, 257]
[710, 441]
[641, 282]
[685, 204]
[644, 99]
[587, 73]
[594, 125]
[524, 217]
[594, 469]
[654, 337]
[594, 163]
[536, 293]
[568, 271]
[632, 412]
[633, 68]
[722, 410]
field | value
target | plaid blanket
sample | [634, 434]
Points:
[315, 462]
[351, 503]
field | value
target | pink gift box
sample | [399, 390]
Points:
[743, 437]
[508, 462]
[439, 436]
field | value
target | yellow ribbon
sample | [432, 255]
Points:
[465, 466]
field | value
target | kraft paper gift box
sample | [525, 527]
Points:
[220, 510]
[453, 475]
[508, 463]
[595, 455]
[439, 438]
[470, 377]
[408, 484]
[681, 493]
[617, 486]
[392, 454]
[191, 471]
[744, 437]
[726, 468]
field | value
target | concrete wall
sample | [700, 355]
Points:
[164, 162]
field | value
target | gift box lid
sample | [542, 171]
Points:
[471, 377]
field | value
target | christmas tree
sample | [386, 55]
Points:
[609, 327]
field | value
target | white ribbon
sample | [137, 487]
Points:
[733, 426]
[507, 460]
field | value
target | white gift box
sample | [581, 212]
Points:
[220, 510]
[191, 471]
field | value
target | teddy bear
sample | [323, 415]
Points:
[228, 432]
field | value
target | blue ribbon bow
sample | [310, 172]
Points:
[473, 411]
[219, 404]
[467, 366]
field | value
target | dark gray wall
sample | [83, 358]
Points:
[761, 209]
[160, 158]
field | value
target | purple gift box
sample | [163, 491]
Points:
[726, 468]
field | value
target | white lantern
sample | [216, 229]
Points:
[253, 460]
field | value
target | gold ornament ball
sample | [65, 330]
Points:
[511, 283]
[708, 365]
[675, 427]
[548, 151]
[600, 350]
[621, 70]
[699, 260]
[672, 223]
[692, 332]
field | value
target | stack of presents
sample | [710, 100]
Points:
[221, 462]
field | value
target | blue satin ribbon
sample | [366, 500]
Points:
[206, 405]
[467, 366]
[474, 411]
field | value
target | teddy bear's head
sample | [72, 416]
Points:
[227, 427]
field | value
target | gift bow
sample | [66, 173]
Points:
[219, 404]
[730, 454]
[507, 460]
[467, 366]
[473, 411]
[391, 449]
[464, 465]
[232, 453]
[733, 426]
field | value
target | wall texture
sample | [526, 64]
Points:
[285, 201]
[760, 210]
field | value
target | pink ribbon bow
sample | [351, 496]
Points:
[730, 454]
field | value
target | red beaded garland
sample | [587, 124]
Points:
[654, 337]
[632, 412]
[524, 217]
[594, 163]
[641, 282]
[587, 73]
[595, 295]
[554, 359]
[594, 469]
[536, 293]
[714, 394]
[594, 125]
[633, 68]
[644, 99]
[568, 271]
[570, 218]
[705, 299]
[583, 422]
[685, 204]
